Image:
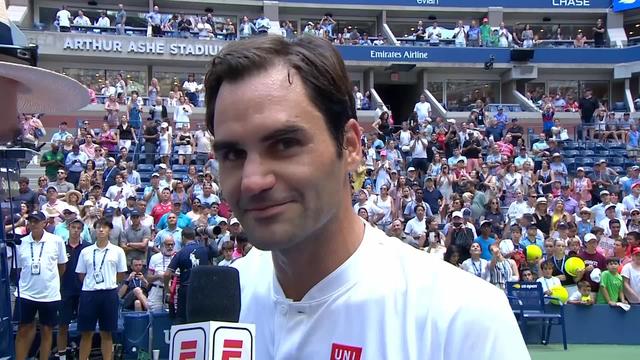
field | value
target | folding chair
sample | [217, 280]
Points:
[527, 301]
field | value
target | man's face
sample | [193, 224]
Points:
[207, 190]
[135, 220]
[172, 219]
[615, 229]
[166, 195]
[275, 176]
[102, 232]
[61, 175]
[142, 206]
[527, 276]
[63, 127]
[24, 186]
[136, 266]
[74, 230]
[52, 194]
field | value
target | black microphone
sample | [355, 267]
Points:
[213, 294]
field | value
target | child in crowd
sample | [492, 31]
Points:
[611, 285]
[583, 295]
[547, 280]
[227, 252]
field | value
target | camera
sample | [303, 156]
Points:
[208, 231]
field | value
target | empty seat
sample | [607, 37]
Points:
[145, 168]
[615, 160]
[571, 153]
[618, 169]
[588, 152]
[585, 162]
[180, 168]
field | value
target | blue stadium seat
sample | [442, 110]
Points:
[618, 169]
[571, 153]
[145, 167]
[570, 145]
[588, 153]
[585, 162]
[588, 170]
[615, 160]
[199, 168]
[180, 168]
[603, 153]
[618, 153]
[617, 146]
[571, 164]
[619, 106]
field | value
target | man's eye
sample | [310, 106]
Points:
[233, 155]
[287, 143]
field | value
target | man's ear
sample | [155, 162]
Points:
[352, 148]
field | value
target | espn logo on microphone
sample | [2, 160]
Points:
[189, 344]
[232, 343]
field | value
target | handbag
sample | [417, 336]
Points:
[40, 132]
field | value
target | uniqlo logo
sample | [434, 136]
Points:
[345, 352]
[188, 349]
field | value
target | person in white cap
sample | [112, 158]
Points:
[632, 201]
[287, 182]
[27, 88]
[598, 210]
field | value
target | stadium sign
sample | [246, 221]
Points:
[622, 5]
[508, 4]
[398, 55]
[146, 47]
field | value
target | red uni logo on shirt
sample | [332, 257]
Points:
[345, 352]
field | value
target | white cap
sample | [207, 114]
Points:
[457, 214]
[595, 275]
[162, 166]
[588, 237]
[411, 168]
[234, 221]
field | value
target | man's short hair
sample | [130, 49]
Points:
[103, 222]
[23, 180]
[613, 260]
[188, 234]
[316, 62]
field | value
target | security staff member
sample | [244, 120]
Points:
[70, 286]
[101, 267]
[191, 255]
[41, 261]
[312, 285]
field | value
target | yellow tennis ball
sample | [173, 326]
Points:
[534, 252]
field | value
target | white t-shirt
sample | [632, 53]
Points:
[203, 141]
[423, 109]
[115, 261]
[477, 268]
[414, 307]
[416, 227]
[405, 137]
[158, 265]
[64, 18]
[633, 274]
[419, 151]
[48, 252]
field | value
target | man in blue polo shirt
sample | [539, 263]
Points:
[70, 285]
[193, 254]
[183, 220]
[485, 240]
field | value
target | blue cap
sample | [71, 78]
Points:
[109, 211]
[37, 215]
[134, 212]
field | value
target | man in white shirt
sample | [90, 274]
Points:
[203, 140]
[423, 109]
[59, 136]
[157, 266]
[41, 261]
[103, 20]
[119, 192]
[358, 97]
[64, 19]
[434, 33]
[81, 19]
[311, 284]
[101, 268]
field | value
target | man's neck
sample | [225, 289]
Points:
[37, 236]
[102, 243]
[302, 266]
[74, 242]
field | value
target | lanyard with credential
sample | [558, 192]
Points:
[555, 263]
[477, 269]
[39, 256]
[101, 263]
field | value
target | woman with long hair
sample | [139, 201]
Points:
[185, 143]
[444, 182]
[153, 91]
[544, 178]
[179, 194]
[452, 256]
[559, 215]
[196, 212]
[385, 202]
[495, 214]
[17, 224]
[90, 170]
[382, 125]
[435, 168]
[125, 133]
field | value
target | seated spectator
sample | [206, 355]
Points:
[501, 269]
[571, 105]
[134, 289]
[475, 264]
[631, 277]
[103, 20]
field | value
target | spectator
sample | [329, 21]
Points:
[125, 134]
[246, 28]
[631, 277]
[63, 17]
[134, 289]
[475, 264]
[357, 96]
[134, 110]
[434, 33]
[599, 32]
[501, 269]
[154, 20]
[62, 133]
[423, 109]
[158, 265]
[485, 240]
[263, 24]
[81, 20]
[611, 285]
[460, 35]
[182, 112]
[588, 106]
[473, 34]
[583, 295]
[548, 281]
[25, 194]
[121, 19]
[527, 37]
[103, 21]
